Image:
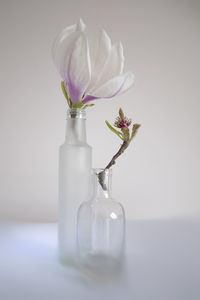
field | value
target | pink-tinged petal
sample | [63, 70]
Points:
[112, 88]
[89, 98]
[79, 69]
[100, 57]
[112, 68]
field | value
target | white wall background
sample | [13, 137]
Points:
[158, 176]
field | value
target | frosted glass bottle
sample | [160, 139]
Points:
[75, 163]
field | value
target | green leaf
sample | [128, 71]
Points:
[114, 130]
[88, 105]
[65, 94]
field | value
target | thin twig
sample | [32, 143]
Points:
[101, 175]
[121, 150]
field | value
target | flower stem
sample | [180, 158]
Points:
[119, 152]
[101, 175]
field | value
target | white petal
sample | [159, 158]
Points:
[115, 63]
[79, 69]
[113, 66]
[114, 86]
[121, 58]
[102, 54]
[80, 26]
[128, 82]
[64, 44]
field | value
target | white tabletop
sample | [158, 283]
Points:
[162, 262]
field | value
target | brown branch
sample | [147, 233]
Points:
[121, 150]
[101, 175]
[126, 142]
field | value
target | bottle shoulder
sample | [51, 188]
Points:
[107, 204]
[66, 145]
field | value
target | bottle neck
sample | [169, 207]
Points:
[102, 183]
[76, 126]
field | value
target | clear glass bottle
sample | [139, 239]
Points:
[101, 227]
[75, 165]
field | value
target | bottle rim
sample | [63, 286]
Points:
[96, 171]
[76, 113]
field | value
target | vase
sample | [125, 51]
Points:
[75, 165]
[101, 227]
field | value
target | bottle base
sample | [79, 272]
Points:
[101, 262]
[69, 261]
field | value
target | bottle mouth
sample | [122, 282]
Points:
[103, 177]
[76, 113]
[96, 171]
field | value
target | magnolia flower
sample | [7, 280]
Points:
[87, 74]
